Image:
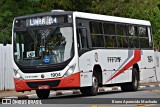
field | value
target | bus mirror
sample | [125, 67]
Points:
[4, 40]
[151, 44]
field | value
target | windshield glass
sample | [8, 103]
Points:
[45, 45]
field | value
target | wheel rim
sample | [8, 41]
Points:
[95, 84]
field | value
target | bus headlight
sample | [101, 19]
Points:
[17, 75]
[69, 71]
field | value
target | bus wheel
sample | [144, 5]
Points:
[43, 94]
[132, 86]
[92, 90]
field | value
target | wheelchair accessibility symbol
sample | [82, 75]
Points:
[31, 54]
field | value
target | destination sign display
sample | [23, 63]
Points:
[44, 20]
[48, 20]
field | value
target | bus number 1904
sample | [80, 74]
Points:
[55, 74]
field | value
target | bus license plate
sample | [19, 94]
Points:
[43, 87]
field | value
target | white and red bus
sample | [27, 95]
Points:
[77, 50]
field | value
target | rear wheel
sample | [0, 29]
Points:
[43, 94]
[92, 90]
[132, 86]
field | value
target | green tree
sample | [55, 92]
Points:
[140, 9]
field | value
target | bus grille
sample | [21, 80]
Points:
[50, 83]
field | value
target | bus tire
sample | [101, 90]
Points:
[92, 90]
[43, 94]
[132, 86]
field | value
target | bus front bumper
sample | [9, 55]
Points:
[72, 81]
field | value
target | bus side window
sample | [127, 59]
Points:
[82, 38]
[133, 36]
[143, 37]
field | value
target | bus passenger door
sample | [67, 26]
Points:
[84, 59]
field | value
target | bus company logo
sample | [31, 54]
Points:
[96, 57]
[150, 59]
[42, 76]
[31, 76]
[114, 59]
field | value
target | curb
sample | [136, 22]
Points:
[71, 92]
[146, 86]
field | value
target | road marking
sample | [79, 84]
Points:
[146, 105]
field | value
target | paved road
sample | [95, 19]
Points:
[104, 97]
[79, 100]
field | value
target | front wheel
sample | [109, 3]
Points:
[92, 90]
[43, 94]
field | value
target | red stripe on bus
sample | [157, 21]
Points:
[136, 58]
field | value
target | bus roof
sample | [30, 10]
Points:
[45, 14]
[91, 16]
[111, 18]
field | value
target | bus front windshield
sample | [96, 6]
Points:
[45, 45]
